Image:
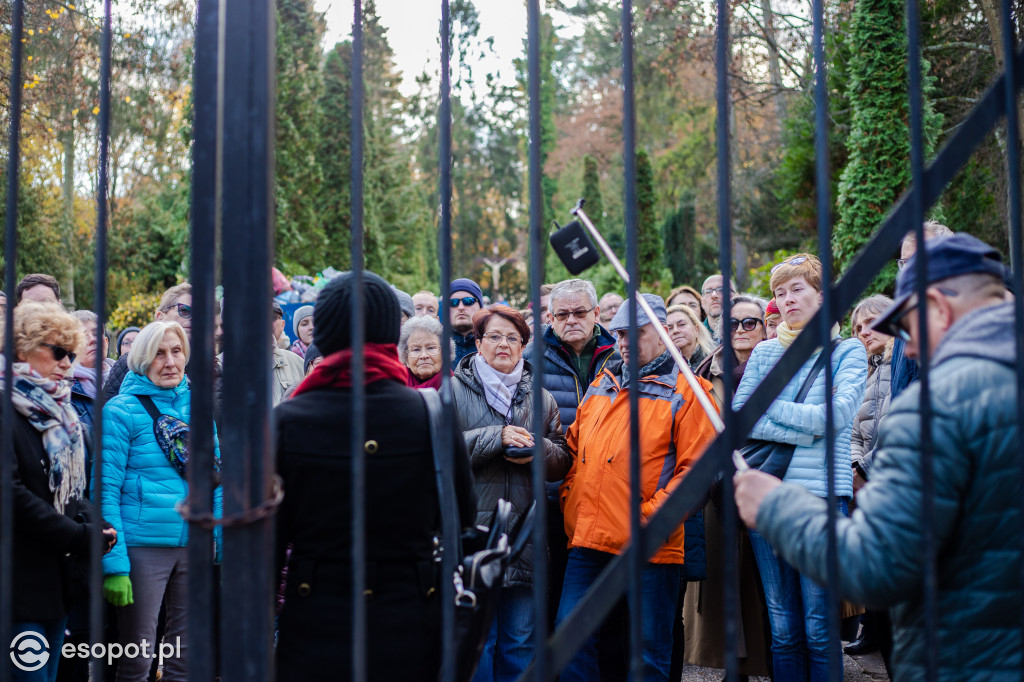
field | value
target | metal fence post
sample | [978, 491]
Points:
[247, 185]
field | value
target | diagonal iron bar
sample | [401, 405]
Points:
[610, 585]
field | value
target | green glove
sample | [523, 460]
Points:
[117, 589]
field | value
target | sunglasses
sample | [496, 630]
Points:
[578, 314]
[59, 352]
[749, 323]
[793, 261]
[184, 310]
[466, 301]
[897, 322]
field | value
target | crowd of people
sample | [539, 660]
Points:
[584, 382]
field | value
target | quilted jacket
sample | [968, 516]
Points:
[674, 431]
[803, 423]
[976, 519]
[874, 407]
[495, 476]
[140, 487]
[559, 377]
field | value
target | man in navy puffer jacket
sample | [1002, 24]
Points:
[576, 349]
[977, 515]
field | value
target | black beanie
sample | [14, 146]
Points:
[332, 315]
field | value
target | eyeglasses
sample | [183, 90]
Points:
[59, 352]
[897, 322]
[184, 310]
[428, 350]
[749, 323]
[578, 314]
[902, 263]
[496, 338]
[792, 261]
[466, 301]
[714, 290]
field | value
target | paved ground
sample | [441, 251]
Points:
[867, 668]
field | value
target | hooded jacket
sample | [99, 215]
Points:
[674, 431]
[140, 487]
[495, 476]
[976, 519]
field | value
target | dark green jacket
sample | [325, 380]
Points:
[976, 518]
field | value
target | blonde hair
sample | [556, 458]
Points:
[38, 323]
[809, 268]
[143, 351]
[704, 340]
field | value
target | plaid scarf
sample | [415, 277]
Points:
[47, 406]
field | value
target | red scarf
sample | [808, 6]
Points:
[433, 382]
[335, 371]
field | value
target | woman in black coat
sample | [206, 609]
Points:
[403, 601]
[52, 520]
[493, 394]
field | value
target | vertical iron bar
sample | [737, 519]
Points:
[7, 557]
[1016, 245]
[930, 582]
[824, 210]
[247, 218]
[358, 334]
[205, 222]
[540, 587]
[96, 605]
[633, 364]
[730, 554]
[444, 166]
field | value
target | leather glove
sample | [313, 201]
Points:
[117, 589]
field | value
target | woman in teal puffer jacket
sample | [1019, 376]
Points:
[141, 488]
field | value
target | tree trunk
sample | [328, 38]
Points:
[69, 211]
[774, 70]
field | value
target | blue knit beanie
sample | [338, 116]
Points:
[467, 285]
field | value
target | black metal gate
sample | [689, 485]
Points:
[232, 214]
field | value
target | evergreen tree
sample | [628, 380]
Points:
[678, 234]
[878, 170]
[298, 177]
[648, 237]
[334, 153]
[592, 190]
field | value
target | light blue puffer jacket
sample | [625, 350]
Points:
[803, 424]
[140, 487]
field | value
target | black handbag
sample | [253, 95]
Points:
[482, 555]
[773, 457]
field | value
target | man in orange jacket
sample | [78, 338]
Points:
[595, 496]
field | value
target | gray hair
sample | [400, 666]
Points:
[87, 319]
[876, 304]
[570, 287]
[753, 300]
[932, 228]
[421, 323]
[143, 351]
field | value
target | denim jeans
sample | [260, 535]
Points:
[660, 592]
[798, 614]
[29, 654]
[509, 647]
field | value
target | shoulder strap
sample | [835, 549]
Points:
[147, 402]
[442, 474]
[818, 364]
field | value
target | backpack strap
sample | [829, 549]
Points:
[147, 402]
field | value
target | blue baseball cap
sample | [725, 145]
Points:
[621, 319]
[959, 254]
